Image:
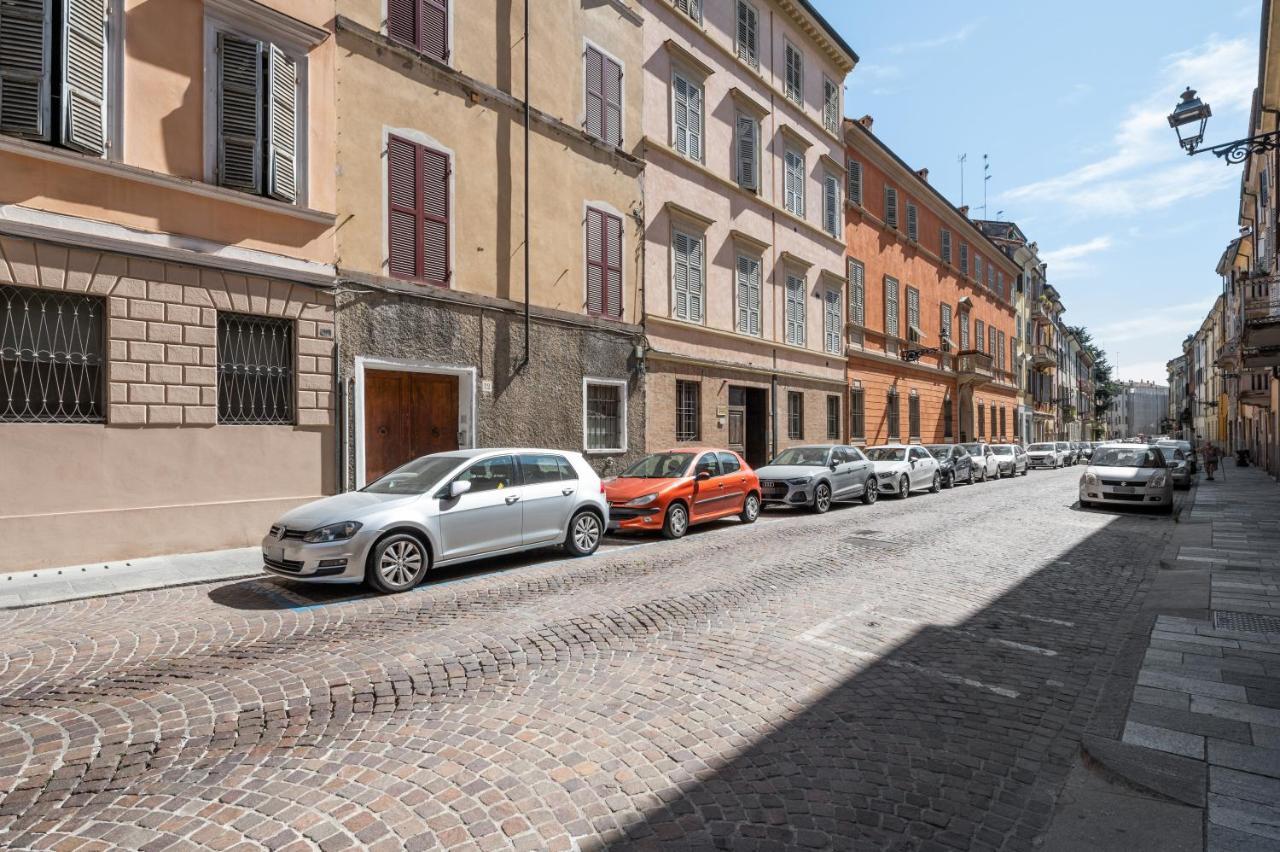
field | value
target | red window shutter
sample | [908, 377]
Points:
[612, 130]
[595, 92]
[435, 216]
[595, 262]
[613, 267]
[403, 216]
[433, 28]
[402, 22]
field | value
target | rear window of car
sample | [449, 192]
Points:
[540, 468]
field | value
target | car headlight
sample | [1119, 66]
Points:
[886, 475]
[1157, 481]
[333, 532]
[1089, 479]
[643, 501]
[802, 480]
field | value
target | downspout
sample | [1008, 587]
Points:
[527, 350]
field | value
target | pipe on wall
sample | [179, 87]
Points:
[527, 342]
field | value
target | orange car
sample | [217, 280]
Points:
[670, 491]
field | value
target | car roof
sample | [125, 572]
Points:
[476, 452]
[696, 450]
[1130, 445]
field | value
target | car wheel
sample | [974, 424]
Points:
[584, 534]
[936, 485]
[676, 524]
[822, 498]
[904, 489]
[984, 474]
[397, 564]
[870, 491]
[1024, 470]
[750, 509]
[949, 481]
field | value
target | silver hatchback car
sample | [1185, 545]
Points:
[440, 510]
[1127, 474]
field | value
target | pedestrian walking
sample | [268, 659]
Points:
[1210, 453]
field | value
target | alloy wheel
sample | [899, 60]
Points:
[822, 498]
[750, 509]
[586, 532]
[400, 562]
[870, 492]
[904, 489]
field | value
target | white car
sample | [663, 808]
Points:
[1127, 475]
[901, 469]
[1011, 458]
[985, 464]
[1044, 454]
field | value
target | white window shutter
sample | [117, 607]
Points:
[857, 293]
[744, 294]
[680, 114]
[694, 121]
[611, 79]
[25, 33]
[747, 29]
[84, 76]
[747, 152]
[755, 298]
[891, 306]
[282, 125]
[680, 275]
[913, 222]
[831, 204]
[239, 113]
[695, 279]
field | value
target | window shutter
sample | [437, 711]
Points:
[913, 307]
[613, 267]
[282, 126]
[239, 112]
[964, 331]
[435, 216]
[695, 279]
[913, 222]
[612, 79]
[680, 114]
[946, 246]
[694, 122]
[833, 325]
[891, 306]
[747, 152]
[25, 33]
[595, 92]
[755, 297]
[830, 106]
[747, 50]
[595, 262]
[403, 218]
[857, 293]
[433, 28]
[891, 207]
[855, 182]
[402, 23]
[831, 204]
[84, 76]
[795, 311]
[680, 274]
[944, 323]
[964, 258]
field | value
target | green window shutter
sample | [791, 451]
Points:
[25, 33]
[84, 77]
[857, 293]
[239, 113]
[282, 125]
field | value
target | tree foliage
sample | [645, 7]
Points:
[1105, 386]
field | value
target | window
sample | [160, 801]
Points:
[890, 306]
[946, 246]
[913, 222]
[749, 295]
[604, 264]
[603, 97]
[947, 416]
[794, 310]
[982, 421]
[893, 414]
[964, 258]
[1000, 348]
[913, 416]
[686, 276]
[913, 314]
[795, 74]
[991, 343]
[1000, 283]
[1002, 421]
[832, 321]
[964, 332]
[729, 463]
[857, 414]
[418, 212]
[944, 325]
[536, 469]
[830, 106]
[490, 475]
[605, 407]
[993, 420]
[795, 415]
[746, 152]
[688, 411]
[857, 293]
[855, 182]
[692, 8]
[891, 207]
[33, 66]
[748, 38]
[793, 182]
[831, 204]
[709, 464]
[255, 369]
[52, 351]
[686, 116]
[421, 24]
[977, 267]
[979, 329]
[833, 417]
[991, 279]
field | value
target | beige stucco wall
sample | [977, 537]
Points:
[381, 90]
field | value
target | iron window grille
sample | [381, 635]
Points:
[52, 351]
[688, 411]
[255, 370]
[604, 417]
[833, 418]
[795, 415]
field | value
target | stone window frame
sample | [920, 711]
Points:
[622, 386]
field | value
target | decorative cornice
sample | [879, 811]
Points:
[749, 241]
[687, 57]
[692, 216]
[747, 102]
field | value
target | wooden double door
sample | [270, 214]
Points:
[406, 415]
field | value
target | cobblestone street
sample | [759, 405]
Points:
[908, 675]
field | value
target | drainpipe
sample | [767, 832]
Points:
[773, 416]
[524, 363]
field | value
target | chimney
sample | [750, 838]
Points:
[866, 121]
[923, 174]
[964, 211]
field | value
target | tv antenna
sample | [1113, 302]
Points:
[986, 177]
[961, 160]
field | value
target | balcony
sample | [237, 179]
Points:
[1261, 323]
[1085, 386]
[1044, 410]
[974, 368]
[1040, 312]
[1043, 356]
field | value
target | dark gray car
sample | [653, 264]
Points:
[954, 463]
[816, 476]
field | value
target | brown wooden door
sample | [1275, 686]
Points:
[407, 415]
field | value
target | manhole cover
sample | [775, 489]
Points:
[1246, 622]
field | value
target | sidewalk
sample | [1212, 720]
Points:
[50, 585]
[1196, 718]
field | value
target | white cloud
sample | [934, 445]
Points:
[1068, 261]
[956, 37]
[1149, 371]
[1145, 169]
[1155, 322]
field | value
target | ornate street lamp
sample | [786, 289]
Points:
[1188, 120]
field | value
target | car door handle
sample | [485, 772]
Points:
[566, 491]
[513, 498]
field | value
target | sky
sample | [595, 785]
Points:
[1069, 103]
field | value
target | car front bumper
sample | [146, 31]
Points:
[777, 493]
[331, 562]
[1041, 461]
[1136, 496]
[623, 517]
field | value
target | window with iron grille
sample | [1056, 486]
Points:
[893, 412]
[52, 351]
[857, 414]
[795, 415]
[421, 24]
[688, 411]
[606, 407]
[947, 415]
[255, 369]
[913, 416]
[833, 417]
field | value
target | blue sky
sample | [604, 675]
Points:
[1069, 102]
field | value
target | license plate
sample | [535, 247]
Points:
[1123, 489]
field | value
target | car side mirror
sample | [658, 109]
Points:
[703, 475]
[834, 465]
[913, 462]
[458, 487]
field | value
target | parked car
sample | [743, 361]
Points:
[1178, 463]
[954, 463]
[440, 510]
[901, 469]
[673, 490]
[816, 476]
[1086, 448]
[984, 461]
[1129, 475]
[1011, 459]
[1044, 454]
[1064, 450]
[1187, 450]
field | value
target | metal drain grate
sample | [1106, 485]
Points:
[1246, 622]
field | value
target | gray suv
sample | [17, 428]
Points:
[816, 476]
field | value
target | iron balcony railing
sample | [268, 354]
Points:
[1044, 355]
[974, 367]
[1261, 308]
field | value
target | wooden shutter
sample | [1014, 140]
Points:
[946, 246]
[433, 28]
[282, 125]
[913, 307]
[964, 258]
[833, 325]
[402, 21]
[748, 275]
[746, 152]
[891, 306]
[84, 76]
[794, 80]
[403, 216]
[25, 33]
[747, 29]
[687, 117]
[855, 182]
[944, 320]
[795, 311]
[611, 73]
[680, 275]
[613, 267]
[694, 122]
[913, 222]
[831, 204]
[239, 113]
[857, 293]
[595, 262]
[979, 333]
[595, 92]
[695, 279]
[964, 331]
[830, 106]
[604, 264]
[977, 267]
[755, 282]
[891, 207]
[435, 216]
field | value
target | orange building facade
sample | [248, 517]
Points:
[931, 324]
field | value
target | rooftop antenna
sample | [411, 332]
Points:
[986, 176]
[961, 160]
[999, 213]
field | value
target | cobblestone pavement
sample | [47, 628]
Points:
[906, 675]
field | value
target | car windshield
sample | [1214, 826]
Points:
[1040, 448]
[940, 451]
[890, 454]
[802, 456]
[1002, 451]
[1127, 457]
[659, 466]
[417, 477]
[973, 449]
